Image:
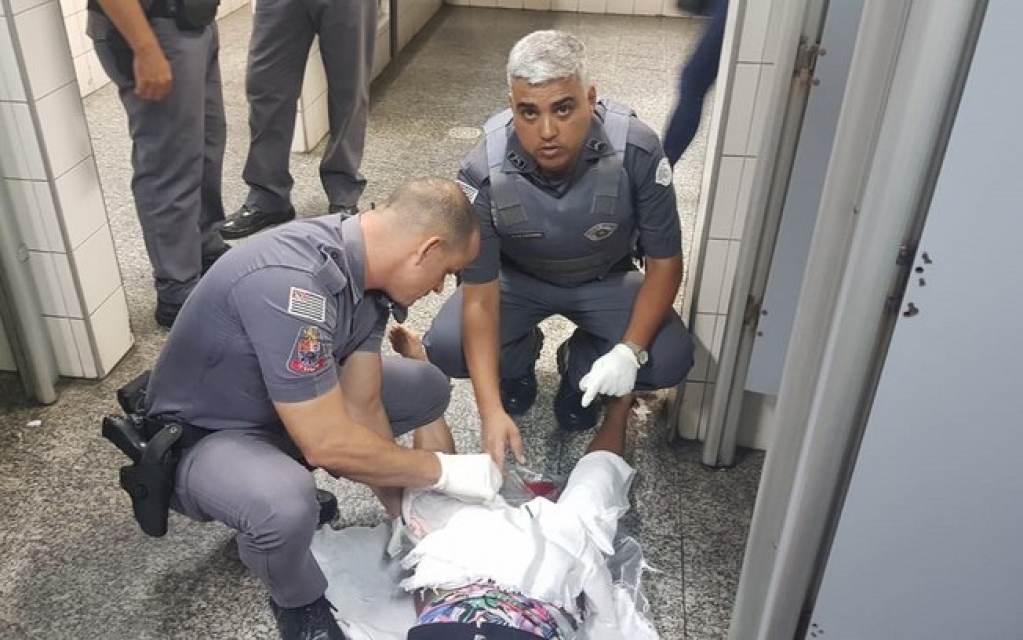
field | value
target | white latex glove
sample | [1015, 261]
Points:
[470, 477]
[613, 374]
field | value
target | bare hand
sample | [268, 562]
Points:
[153, 77]
[500, 433]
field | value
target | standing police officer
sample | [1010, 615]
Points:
[282, 33]
[564, 185]
[277, 353]
[164, 60]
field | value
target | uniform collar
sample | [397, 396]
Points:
[353, 258]
[596, 146]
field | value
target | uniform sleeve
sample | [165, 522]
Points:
[474, 178]
[375, 340]
[653, 194]
[290, 323]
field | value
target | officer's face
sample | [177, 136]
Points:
[552, 121]
[429, 269]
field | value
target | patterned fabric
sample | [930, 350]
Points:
[483, 603]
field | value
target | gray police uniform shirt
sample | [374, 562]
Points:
[269, 323]
[655, 213]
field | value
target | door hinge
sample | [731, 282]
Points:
[806, 61]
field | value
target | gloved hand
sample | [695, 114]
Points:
[470, 477]
[613, 374]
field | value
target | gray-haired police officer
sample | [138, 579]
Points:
[564, 186]
[277, 353]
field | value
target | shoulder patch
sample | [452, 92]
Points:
[306, 304]
[663, 175]
[310, 353]
[470, 191]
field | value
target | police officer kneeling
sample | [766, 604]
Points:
[277, 353]
[565, 185]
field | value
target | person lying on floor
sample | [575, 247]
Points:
[538, 570]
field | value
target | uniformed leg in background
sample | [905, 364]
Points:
[212, 209]
[601, 312]
[698, 74]
[282, 34]
[347, 43]
[168, 152]
[521, 340]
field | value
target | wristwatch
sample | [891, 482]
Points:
[641, 355]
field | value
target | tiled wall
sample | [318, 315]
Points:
[621, 7]
[50, 174]
[731, 160]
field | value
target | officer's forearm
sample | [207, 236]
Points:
[374, 417]
[328, 438]
[481, 342]
[655, 298]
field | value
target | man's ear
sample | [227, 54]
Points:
[591, 97]
[430, 244]
[511, 101]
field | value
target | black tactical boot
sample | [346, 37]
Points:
[568, 409]
[328, 506]
[314, 621]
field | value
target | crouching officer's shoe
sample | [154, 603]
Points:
[314, 621]
[249, 220]
[519, 394]
[569, 411]
[328, 506]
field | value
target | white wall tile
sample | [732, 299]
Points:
[537, 5]
[95, 264]
[509, 4]
[64, 130]
[689, 414]
[65, 350]
[565, 5]
[648, 7]
[97, 74]
[44, 47]
[81, 202]
[592, 6]
[703, 335]
[11, 86]
[620, 7]
[483, 3]
[759, 123]
[714, 353]
[708, 398]
[314, 82]
[66, 285]
[317, 122]
[7, 362]
[726, 194]
[382, 53]
[670, 8]
[462, 3]
[23, 158]
[35, 215]
[20, 6]
[298, 138]
[74, 26]
[111, 331]
[729, 276]
[749, 168]
[754, 30]
[708, 294]
[80, 333]
[740, 109]
[43, 269]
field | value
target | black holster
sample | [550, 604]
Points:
[194, 15]
[154, 447]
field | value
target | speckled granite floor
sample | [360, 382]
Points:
[73, 564]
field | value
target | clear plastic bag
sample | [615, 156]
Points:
[522, 484]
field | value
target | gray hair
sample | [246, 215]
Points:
[547, 56]
[435, 206]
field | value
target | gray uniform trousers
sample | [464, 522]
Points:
[282, 34]
[252, 481]
[600, 310]
[177, 149]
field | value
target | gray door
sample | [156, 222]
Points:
[928, 544]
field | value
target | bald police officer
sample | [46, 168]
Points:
[564, 185]
[277, 353]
